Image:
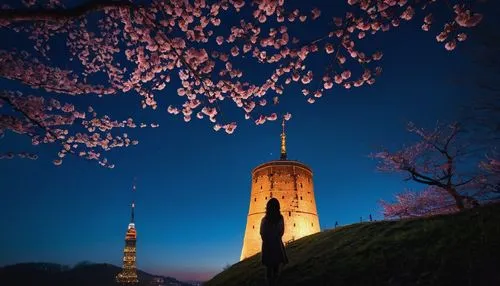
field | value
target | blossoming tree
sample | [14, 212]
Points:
[438, 162]
[119, 47]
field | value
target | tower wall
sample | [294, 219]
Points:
[290, 182]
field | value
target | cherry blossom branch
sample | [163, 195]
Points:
[32, 120]
[409, 204]
[55, 119]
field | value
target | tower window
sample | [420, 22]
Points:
[301, 185]
[289, 213]
[293, 225]
[266, 198]
[261, 187]
[300, 197]
[253, 226]
[312, 224]
[271, 194]
[254, 199]
[283, 197]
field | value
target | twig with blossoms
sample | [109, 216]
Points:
[50, 121]
[409, 204]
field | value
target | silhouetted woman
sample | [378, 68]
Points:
[272, 228]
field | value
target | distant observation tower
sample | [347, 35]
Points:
[128, 275]
[291, 182]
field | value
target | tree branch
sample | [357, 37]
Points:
[34, 121]
[423, 179]
[465, 182]
[30, 15]
[452, 135]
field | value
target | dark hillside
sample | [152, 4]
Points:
[458, 249]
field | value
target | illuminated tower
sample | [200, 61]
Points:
[128, 275]
[291, 182]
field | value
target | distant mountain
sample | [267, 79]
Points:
[88, 274]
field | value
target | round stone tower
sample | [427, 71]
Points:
[291, 182]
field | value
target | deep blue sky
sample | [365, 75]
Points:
[193, 184]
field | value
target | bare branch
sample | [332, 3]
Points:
[29, 15]
[424, 179]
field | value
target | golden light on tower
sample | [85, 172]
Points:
[291, 182]
[128, 275]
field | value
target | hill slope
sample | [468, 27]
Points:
[31, 274]
[458, 249]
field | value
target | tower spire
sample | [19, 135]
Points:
[132, 216]
[283, 141]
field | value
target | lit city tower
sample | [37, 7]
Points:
[291, 182]
[128, 275]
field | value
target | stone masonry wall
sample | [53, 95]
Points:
[291, 183]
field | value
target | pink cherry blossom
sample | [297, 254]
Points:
[346, 74]
[377, 56]
[229, 128]
[191, 46]
[315, 13]
[329, 48]
[461, 37]
[442, 37]
[468, 19]
[272, 117]
[408, 13]
[287, 116]
[451, 45]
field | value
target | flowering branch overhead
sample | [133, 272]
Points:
[120, 47]
[50, 121]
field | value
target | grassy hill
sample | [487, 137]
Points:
[459, 249]
[31, 274]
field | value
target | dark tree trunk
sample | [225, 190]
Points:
[459, 200]
[58, 14]
[471, 202]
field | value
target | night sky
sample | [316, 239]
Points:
[193, 184]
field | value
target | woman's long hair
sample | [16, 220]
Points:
[273, 210]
